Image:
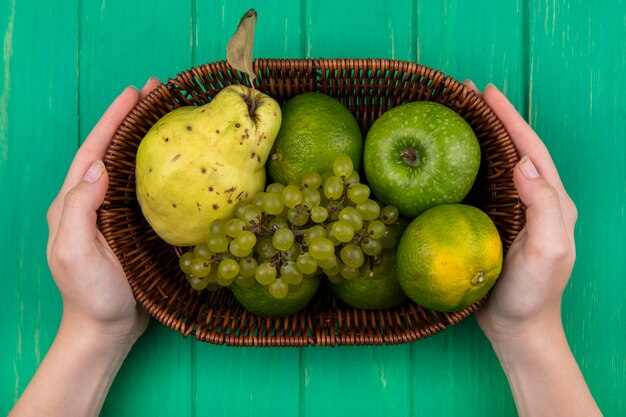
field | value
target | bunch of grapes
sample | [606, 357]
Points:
[288, 233]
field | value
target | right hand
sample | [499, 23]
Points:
[538, 265]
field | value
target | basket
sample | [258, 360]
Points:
[367, 88]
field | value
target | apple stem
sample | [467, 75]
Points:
[411, 156]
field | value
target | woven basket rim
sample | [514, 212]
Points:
[183, 90]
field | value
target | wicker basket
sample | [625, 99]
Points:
[367, 88]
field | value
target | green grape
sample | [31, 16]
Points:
[349, 273]
[251, 213]
[278, 223]
[212, 277]
[333, 188]
[202, 251]
[237, 248]
[228, 268]
[265, 273]
[335, 279]
[321, 248]
[301, 218]
[352, 217]
[369, 209]
[353, 178]
[197, 283]
[311, 198]
[247, 239]
[311, 180]
[200, 267]
[389, 239]
[234, 227]
[224, 282]
[334, 207]
[342, 231]
[371, 246]
[293, 288]
[265, 248]
[389, 214]
[212, 287]
[333, 270]
[247, 266]
[376, 229]
[290, 273]
[283, 239]
[185, 261]
[292, 253]
[275, 188]
[352, 255]
[218, 227]
[313, 232]
[343, 166]
[358, 193]
[330, 236]
[278, 289]
[327, 263]
[306, 263]
[273, 204]
[218, 243]
[319, 214]
[291, 196]
[259, 199]
[244, 282]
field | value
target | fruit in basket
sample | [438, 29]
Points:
[449, 257]
[259, 301]
[376, 285]
[288, 234]
[419, 155]
[315, 130]
[196, 163]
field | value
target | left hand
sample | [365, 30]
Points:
[91, 280]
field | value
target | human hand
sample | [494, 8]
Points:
[96, 295]
[537, 267]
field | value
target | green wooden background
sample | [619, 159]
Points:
[562, 63]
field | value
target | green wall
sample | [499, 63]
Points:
[563, 63]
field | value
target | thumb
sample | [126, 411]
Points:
[78, 219]
[544, 217]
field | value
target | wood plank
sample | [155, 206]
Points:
[456, 372]
[481, 40]
[356, 381]
[38, 136]
[277, 32]
[355, 29]
[231, 380]
[124, 43]
[577, 105]
[363, 380]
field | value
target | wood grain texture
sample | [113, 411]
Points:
[482, 41]
[577, 105]
[124, 43]
[38, 136]
[353, 29]
[247, 381]
[562, 63]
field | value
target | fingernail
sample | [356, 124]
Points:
[490, 85]
[94, 172]
[153, 78]
[471, 84]
[528, 168]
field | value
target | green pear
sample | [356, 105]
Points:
[196, 163]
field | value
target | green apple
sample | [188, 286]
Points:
[196, 163]
[419, 155]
